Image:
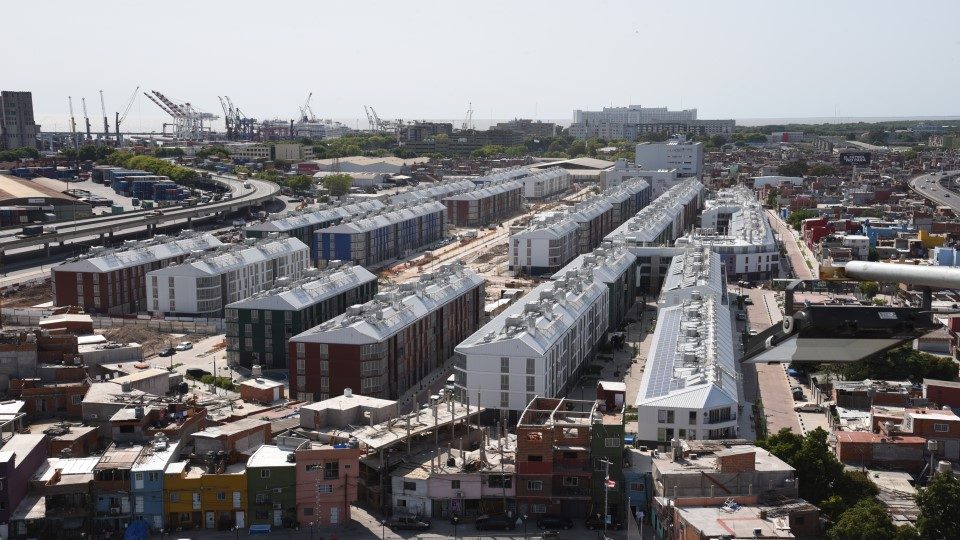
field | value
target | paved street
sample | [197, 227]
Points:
[797, 256]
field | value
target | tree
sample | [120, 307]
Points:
[866, 520]
[873, 255]
[300, 182]
[793, 168]
[795, 219]
[939, 506]
[901, 363]
[24, 152]
[869, 288]
[718, 140]
[876, 136]
[822, 169]
[577, 148]
[337, 184]
[215, 150]
[773, 196]
[910, 155]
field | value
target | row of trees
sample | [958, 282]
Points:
[19, 153]
[149, 163]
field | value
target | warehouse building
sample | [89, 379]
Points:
[537, 346]
[690, 387]
[302, 225]
[113, 281]
[615, 267]
[258, 327]
[25, 201]
[544, 247]
[735, 226]
[372, 240]
[386, 346]
[203, 284]
[491, 202]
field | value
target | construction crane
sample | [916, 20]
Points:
[73, 122]
[86, 117]
[103, 110]
[118, 119]
[468, 122]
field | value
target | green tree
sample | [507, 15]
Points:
[577, 148]
[901, 363]
[215, 150]
[910, 155]
[24, 152]
[795, 219]
[337, 184]
[718, 140]
[866, 520]
[869, 288]
[773, 196]
[873, 255]
[876, 136]
[793, 168]
[300, 182]
[822, 169]
[939, 505]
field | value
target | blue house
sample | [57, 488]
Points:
[638, 479]
[146, 482]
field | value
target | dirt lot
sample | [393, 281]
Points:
[151, 340]
[29, 295]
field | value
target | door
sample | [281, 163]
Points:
[240, 520]
[334, 515]
[277, 518]
[211, 522]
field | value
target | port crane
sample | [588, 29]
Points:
[86, 117]
[103, 111]
[119, 118]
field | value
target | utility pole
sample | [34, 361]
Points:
[606, 493]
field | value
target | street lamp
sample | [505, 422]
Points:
[383, 529]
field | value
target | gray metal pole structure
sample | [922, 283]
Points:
[943, 277]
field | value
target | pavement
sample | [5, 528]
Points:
[797, 255]
[932, 187]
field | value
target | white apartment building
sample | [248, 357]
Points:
[659, 180]
[665, 219]
[549, 243]
[202, 285]
[630, 122]
[696, 269]
[546, 183]
[537, 346]
[690, 387]
[677, 153]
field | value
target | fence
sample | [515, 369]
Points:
[31, 317]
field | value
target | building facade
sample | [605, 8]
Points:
[549, 243]
[677, 153]
[18, 128]
[488, 203]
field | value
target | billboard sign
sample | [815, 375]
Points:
[855, 158]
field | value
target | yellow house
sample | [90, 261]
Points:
[931, 241]
[199, 499]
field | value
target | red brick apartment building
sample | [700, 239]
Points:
[113, 281]
[384, 347]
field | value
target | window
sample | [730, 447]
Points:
[184, 516]
[636, 486]
[531, 384]
[138, 476]
[941, 428]
[664, 416]
[221, 496]
[312, 467]
[531, 366]
[454, 484]
[261, 498]
[402, 502]
[409, 486]
[536, 459]
[325, 488]
[505, 400]
[571, 481]
[264, 473]
[500, 481]
[331, 470]
[693, 418]
[534, 485]
[538, 508]
[599, 465]
[611, 442]
[569, 455]
[661, 434]
[504, 365]
[504, 382]
[77, 399]
[308, 511]
[153, 476]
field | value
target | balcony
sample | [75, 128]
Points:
[572, 466]
[732, 417]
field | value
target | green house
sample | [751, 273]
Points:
[258, 327]
[272, 484]
[606, 453]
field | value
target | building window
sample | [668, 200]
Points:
[261, 498]
[693, 418]
[308, 511]
[538, 508]
[531, 366]
[325, 488]
[409, 486]
[264, 473]
[331, 470]
[402, 502]
[505, 400]
[611, 442]
[534, 485]
[174, 496]
[500, 481]
[221, 496]
[77, 399]
[571, 481]
[454, 484]
[504, 365]
[636, 486]
[664, 416]
[504, 382]
[941, 428]
[138, 476]
[153, 476]
[312, 467]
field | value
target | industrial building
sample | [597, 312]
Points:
[258, 327]
[113, 281]
[18, 129]
[488, 203]
[24, 202]
[376, 239]
[615, 267]
[545, 246]
[535, 347]
[386, 346]
[203, 284]
[691, 386]
[735, 226]
[302, 225]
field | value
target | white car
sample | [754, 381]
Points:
[808, 407]
[184, 346]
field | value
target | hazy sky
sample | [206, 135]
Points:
[729, 59]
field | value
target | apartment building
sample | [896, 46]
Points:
[632, 121]
[258, 327]
[677, 153]
[377, 239]
[327, 483]
[690, 385]
[627, 198]
[537, 346]
[436, 191]
[302, 225]
[60, 498]
[665, 219]
[18, 128]
[203, 284]
[615, 267]
[695, 269]
[594, 219]
[546, 183]
[207, 494]
[22, 454]
[546, 245]
[271, 483]
[147, 481]
[386, 346]
[113, 281]
[490, 202]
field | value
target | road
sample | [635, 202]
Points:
[797, 256]
[95, 228]
[931, 187]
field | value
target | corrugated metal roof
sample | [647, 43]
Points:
[159, 248]
[316, 286]
[233, 256]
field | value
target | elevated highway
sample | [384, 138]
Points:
[940, 188]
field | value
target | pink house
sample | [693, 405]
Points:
[327, 478]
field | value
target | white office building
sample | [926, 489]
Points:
[677, 153]
[545, 246]
[202, 285]
[690, 387]
[735, 226]
[537, 346]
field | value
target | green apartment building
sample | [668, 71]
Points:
[258, 327]
[272, 483]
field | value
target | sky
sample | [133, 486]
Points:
[529, 59]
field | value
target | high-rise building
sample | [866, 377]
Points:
[633, 121]
[17, 127]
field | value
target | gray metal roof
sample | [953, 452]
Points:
[653, 219]
[293, 220]
[233, 256]
[608, 262]
[134, 252]
[316, 286]
[388, 216]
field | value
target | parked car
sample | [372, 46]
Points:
[169, 351]
[184, 346]
[741, 316]
[554, 522]
[748, 301]
[411, 523]
[595, 523]
[495, 523]
[198, 373]
[808, 407]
